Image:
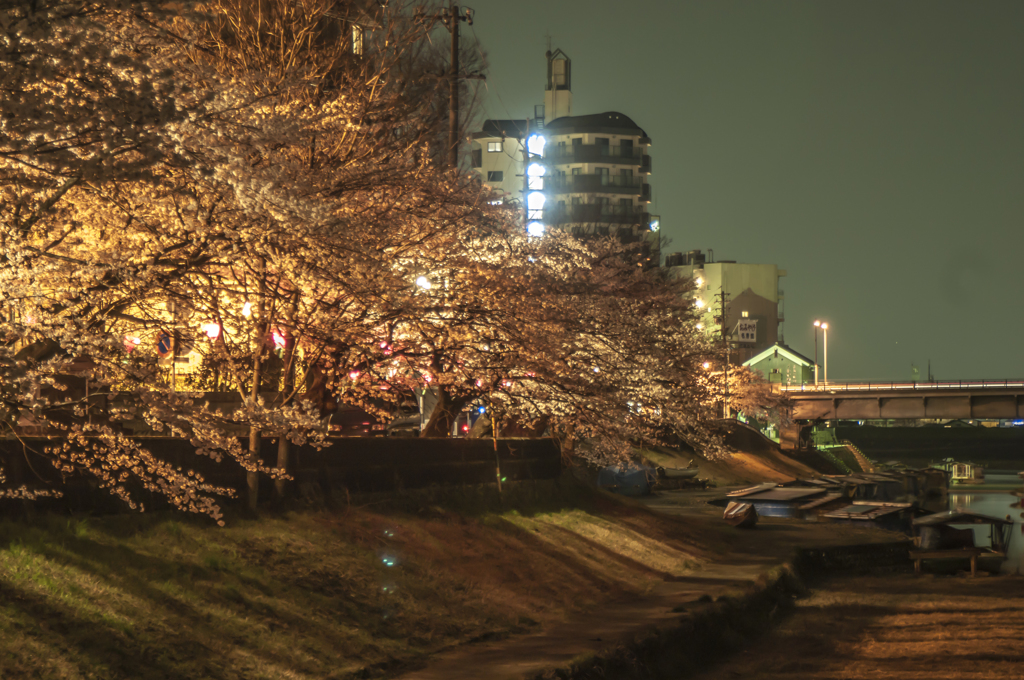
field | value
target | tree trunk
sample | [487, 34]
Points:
[287, 386]
[481, 428]
[442, 418]
[252, 479]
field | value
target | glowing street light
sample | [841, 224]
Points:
[824, 331]
[535, 145]
[535, 177]
[535, 197]
[824, 327]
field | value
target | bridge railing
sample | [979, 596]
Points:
[878, 386]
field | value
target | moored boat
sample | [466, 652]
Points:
[679, 473]
[742, 515]
[945, 547]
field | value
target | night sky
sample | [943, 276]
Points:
[873, 149]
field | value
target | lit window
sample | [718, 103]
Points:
[745, 315]
[493, 146]
[495, 175]
[357, 39]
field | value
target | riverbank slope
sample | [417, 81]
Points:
[365, 590]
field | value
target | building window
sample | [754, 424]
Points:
[602, 145]
[495, 175]
[478, 158]
[745, 315]
[578, 141]
[576, 171]
[493, 146]
[576, 200]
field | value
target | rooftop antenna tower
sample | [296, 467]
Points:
[558, 90]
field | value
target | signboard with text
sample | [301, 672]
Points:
[746, 330]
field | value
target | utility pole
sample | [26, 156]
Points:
[815, 353]
[526, 174]
[452, 18]
[723, 299]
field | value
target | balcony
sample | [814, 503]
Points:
[597, 184]
[598, 153]
[595, 213]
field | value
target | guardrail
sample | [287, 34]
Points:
[865, 386]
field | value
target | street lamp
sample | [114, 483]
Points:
[824, 329]
[817, 325]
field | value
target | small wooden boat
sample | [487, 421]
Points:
[742, 515]
[679, 473]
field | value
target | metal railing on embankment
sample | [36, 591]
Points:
[873, 386]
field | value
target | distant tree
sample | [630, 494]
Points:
[551, 334]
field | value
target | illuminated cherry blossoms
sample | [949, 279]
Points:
[234, 182]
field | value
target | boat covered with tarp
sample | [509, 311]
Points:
[947, 539]
[628, 480]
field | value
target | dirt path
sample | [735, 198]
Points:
[897, 627]
[743, 556]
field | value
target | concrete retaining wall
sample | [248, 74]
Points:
[349, 465]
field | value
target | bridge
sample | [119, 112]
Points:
[963, 399]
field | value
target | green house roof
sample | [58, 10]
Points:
[785, 351]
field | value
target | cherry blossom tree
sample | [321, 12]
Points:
[276, 208]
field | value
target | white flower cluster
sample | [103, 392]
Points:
[216, 226]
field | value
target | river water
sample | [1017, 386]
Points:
[995, 504]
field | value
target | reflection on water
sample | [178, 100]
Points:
[997, 504]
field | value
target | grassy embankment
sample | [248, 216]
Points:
[320, 594]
